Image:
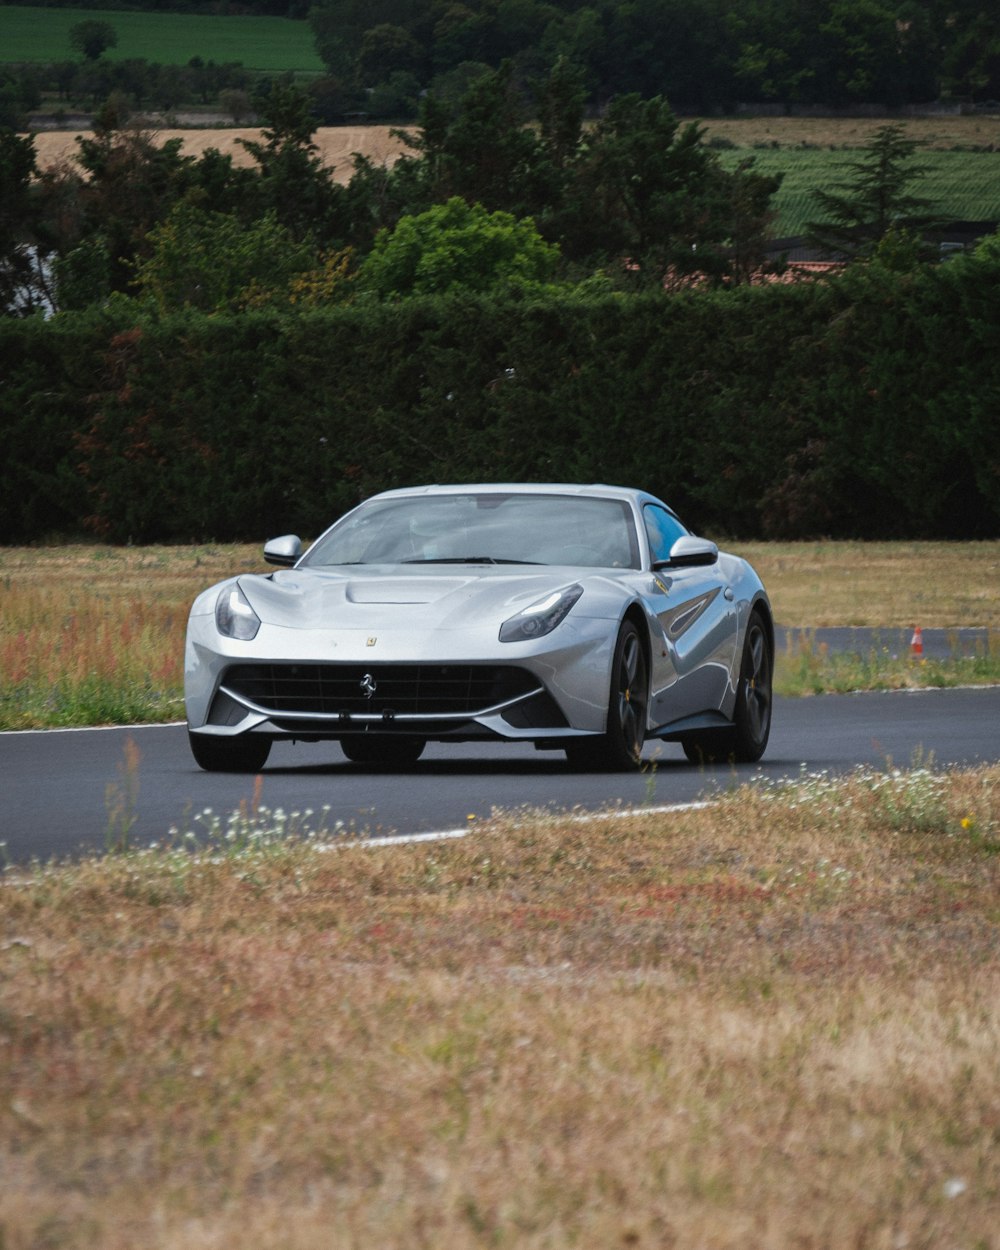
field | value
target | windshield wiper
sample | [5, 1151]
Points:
[466, 560]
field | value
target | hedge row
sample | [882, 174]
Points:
[868, 407]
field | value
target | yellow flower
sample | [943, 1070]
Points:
[966, 822]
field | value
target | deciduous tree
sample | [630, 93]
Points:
[457, 246]
[93, 37]
[213, 262]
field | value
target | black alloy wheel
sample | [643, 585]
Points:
[755, 695]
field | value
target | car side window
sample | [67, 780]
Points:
[662, 529]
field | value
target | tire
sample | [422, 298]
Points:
[384, 751]
[619, 748]
[710, 747]
[247, 754]
[746, 741]
[755, 695]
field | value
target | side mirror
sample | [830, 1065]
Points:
[689, 552]
[283, 551]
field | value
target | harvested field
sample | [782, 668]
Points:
[337, 144]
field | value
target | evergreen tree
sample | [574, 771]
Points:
[875, 199]
[17, 166]
[642, 191]
[480, 148]
[293, 182]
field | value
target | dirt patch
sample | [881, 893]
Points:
[337, 145]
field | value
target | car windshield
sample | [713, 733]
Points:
[483, 528]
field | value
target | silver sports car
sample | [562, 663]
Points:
[580, 618]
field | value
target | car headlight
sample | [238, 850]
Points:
[234, 616]
[542, 617]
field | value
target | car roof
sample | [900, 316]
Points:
[595, 489]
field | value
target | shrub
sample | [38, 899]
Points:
[863, 407]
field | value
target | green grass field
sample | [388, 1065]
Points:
[273, 44]
[964, 186]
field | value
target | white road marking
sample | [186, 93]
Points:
[580, 818]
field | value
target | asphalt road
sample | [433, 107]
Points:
[55, 785]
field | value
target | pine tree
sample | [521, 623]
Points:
[875, 200]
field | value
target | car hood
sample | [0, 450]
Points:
[391, 594]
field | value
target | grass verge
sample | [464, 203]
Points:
[95, 635]
[773, 1022]
[808, 667]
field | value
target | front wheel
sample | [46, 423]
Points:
[246, 754]
[619, 748]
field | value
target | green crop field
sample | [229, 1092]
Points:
[273, 44]
[964, 186]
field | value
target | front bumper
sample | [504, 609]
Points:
[328, 684]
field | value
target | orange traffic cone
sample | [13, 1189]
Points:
[917, 642]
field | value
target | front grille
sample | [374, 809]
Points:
[399, 689]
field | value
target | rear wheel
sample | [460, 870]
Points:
[619, 748]
[746, 740]
[754, 698]
[388, 752]
[229, 755]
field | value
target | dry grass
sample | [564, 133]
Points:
[937, 133]
[95, 635]
[773, 1023]
[882, 585]
[92, 635]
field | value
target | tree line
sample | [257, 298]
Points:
[703, 55]
[480, 197]
[136, 83]
[639, 187]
